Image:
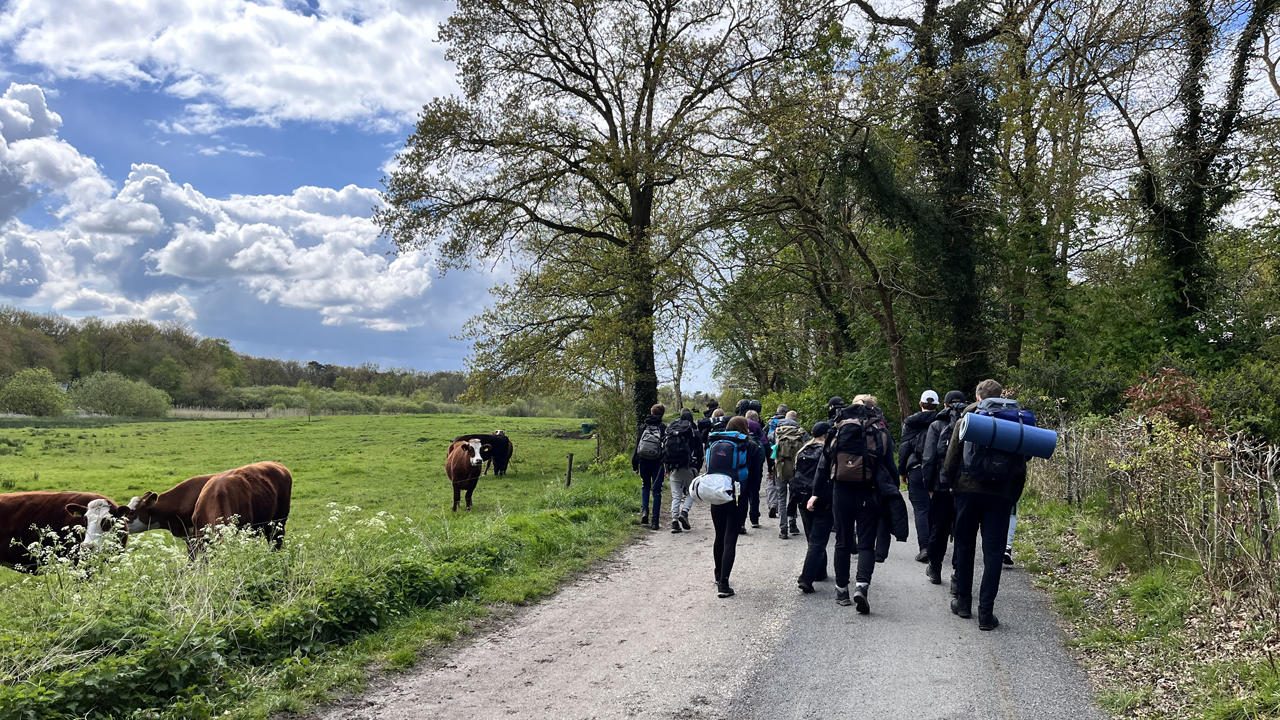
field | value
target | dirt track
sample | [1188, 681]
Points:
[645, 636]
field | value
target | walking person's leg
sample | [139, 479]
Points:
[1008, 544]
[753, 501]
[995, 529]
[675, 479]
[843, 512]
[868, 522]
[942, 512]
[919, 497]
[784, 489]
[645, 482]
[730, 549]
[968, 519]
[688, 500]
[771, 494]
[721, 516]
[659, 479]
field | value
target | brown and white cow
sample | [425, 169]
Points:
[462, 465]
[257, 495]
[498, 450]
[26, 516]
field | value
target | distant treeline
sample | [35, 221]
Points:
[203, 372]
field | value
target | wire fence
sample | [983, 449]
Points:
[1212, 500]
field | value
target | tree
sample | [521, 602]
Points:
[33, 392]
[578, 125]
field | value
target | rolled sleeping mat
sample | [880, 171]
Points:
[1007, 435]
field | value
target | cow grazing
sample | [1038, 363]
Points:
[24, 515]
[497, 453]
[463, 468]
[256, 496]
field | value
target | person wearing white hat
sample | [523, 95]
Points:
[910, 464]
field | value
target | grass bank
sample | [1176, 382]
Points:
[375, 568]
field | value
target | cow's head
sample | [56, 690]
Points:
[100, 517]
[138, 512]
[476, 447]
[498, 432]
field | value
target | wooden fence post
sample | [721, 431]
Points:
[1219, 482]
[568, 479]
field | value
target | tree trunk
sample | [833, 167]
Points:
[644, 371]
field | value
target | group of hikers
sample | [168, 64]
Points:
[842, 476]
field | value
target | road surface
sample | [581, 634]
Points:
[643, 635]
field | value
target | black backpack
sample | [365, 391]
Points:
[806, 474]
[649, 446]
[856, 445]
[677, 448]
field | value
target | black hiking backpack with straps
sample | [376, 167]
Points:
[856, 445]
[650, 445]
[677, 448]
[806, 473]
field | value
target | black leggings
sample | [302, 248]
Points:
[727, 518]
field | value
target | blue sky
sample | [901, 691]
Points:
[216, 162]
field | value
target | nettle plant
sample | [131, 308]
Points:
[1172, 395]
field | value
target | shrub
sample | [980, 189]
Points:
[33, 392]
[1171, 394]
[398, 406]
[114, 394]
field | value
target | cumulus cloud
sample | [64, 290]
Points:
[151, 247]
[371, 62]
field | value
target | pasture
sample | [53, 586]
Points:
[374, 566]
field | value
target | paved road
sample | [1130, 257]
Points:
[645, 636]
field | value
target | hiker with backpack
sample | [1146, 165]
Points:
[988, 484]
[911, 464]
[786, 440]
[733, 453]
[770, 482]
[647, 462]
[893, 509]
[682, 456]
[818, 521]
[756, 430]
[942, 508]
[857, 455]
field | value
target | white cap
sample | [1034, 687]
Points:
[929, 397]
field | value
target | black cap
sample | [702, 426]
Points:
[820, 428]
[837, 400]
[955, 396]
[743, 406]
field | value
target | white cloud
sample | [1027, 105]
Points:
[154, 246]
[372, 62]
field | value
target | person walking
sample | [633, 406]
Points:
[988, 484]
[893, 509]
[856, 456]
[726, 453]
[682, 456]
[911, 464]
[818, 521]
[756, 431]
[646, 461]
[942, 508]
[771, 482]
[786, 440]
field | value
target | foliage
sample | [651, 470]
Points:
[1172, 395]
[33, 392]
[113, 394]
[246, 626]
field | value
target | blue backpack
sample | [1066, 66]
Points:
[727, 455]
[989, 465]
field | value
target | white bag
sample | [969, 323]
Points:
[714, 488]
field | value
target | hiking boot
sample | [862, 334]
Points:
[743, 530]
[934, 573]
[773, 513]
[842, 596]
[755, 524]
[684, 521]
[987, 620]
[805, 586]
[961, 608]
[793, 528]
[723, 590]
[654, 526]
[644, 519]
[860, 599]
[783, 535]
[1008, 556]
[955, 589]
[675, 526]
[922, 556]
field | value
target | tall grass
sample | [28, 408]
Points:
[148, 633]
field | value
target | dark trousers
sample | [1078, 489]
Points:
[753, 500]
[857, 517]
[990, 514]
[942, 517]
[727, 519]
[919, 505]
[817, 531]
[651, 479]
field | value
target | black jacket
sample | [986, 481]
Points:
[965, 483]
[635, 446]
[935, 480]
[911, 450]
[696, 449]
[886, 475]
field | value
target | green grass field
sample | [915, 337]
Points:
[246, 632]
